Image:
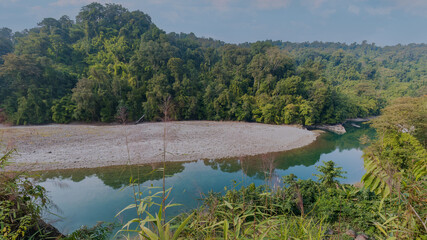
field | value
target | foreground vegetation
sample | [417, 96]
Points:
[115, 65]
[21, 205]
[389, 205]
[301, 209]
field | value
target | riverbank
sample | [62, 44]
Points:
[86, 146]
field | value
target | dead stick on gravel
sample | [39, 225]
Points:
[140, 119]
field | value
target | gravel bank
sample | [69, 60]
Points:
[86, 146]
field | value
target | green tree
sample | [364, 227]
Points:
[6, 44]
[329, 173]
[396, 169]
[290, 113]
[63, 110]
[85, 99]
[406, 115]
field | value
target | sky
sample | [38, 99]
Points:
[383, 22]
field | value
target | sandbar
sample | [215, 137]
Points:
[67, 146]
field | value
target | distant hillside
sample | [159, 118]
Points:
[111, 64]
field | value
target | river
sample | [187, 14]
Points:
[86, 196]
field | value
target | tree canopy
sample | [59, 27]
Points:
[112, 61]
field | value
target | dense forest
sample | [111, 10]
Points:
[111, 64]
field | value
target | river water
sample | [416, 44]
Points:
[86, 196]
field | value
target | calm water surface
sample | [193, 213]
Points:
[86, 196]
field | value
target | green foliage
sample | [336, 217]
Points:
[250, 213]
[396, 168]
[329, 173]
[21, 203]
[271, 227]
[262, 213]
[98, 232]
[6, 44]
[111, 55]
[63, 110]
[149, 226]
[406, 115]
[301, 209]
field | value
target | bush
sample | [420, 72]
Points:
[21, 203]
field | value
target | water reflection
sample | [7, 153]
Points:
[85, 196]
[116, 176]
[306, 156]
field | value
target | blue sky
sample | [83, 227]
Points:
[384, 22]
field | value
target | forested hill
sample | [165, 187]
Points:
[112, 64]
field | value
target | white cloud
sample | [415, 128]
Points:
[36, 8]
[222, 5]
[172, 16]
[271, 4]
[64, 3]
[300, 24]
[226, 5]
[414, 7]
[379, 11]
[318, 3]
[418, 7]
[327, 12]
[354, 9]
[8, 1]
[313, 4]
[322, 8]
[411, 3]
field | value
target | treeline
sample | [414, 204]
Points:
[111, 64]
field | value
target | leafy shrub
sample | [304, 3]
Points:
[21, 203]
[98, 232]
